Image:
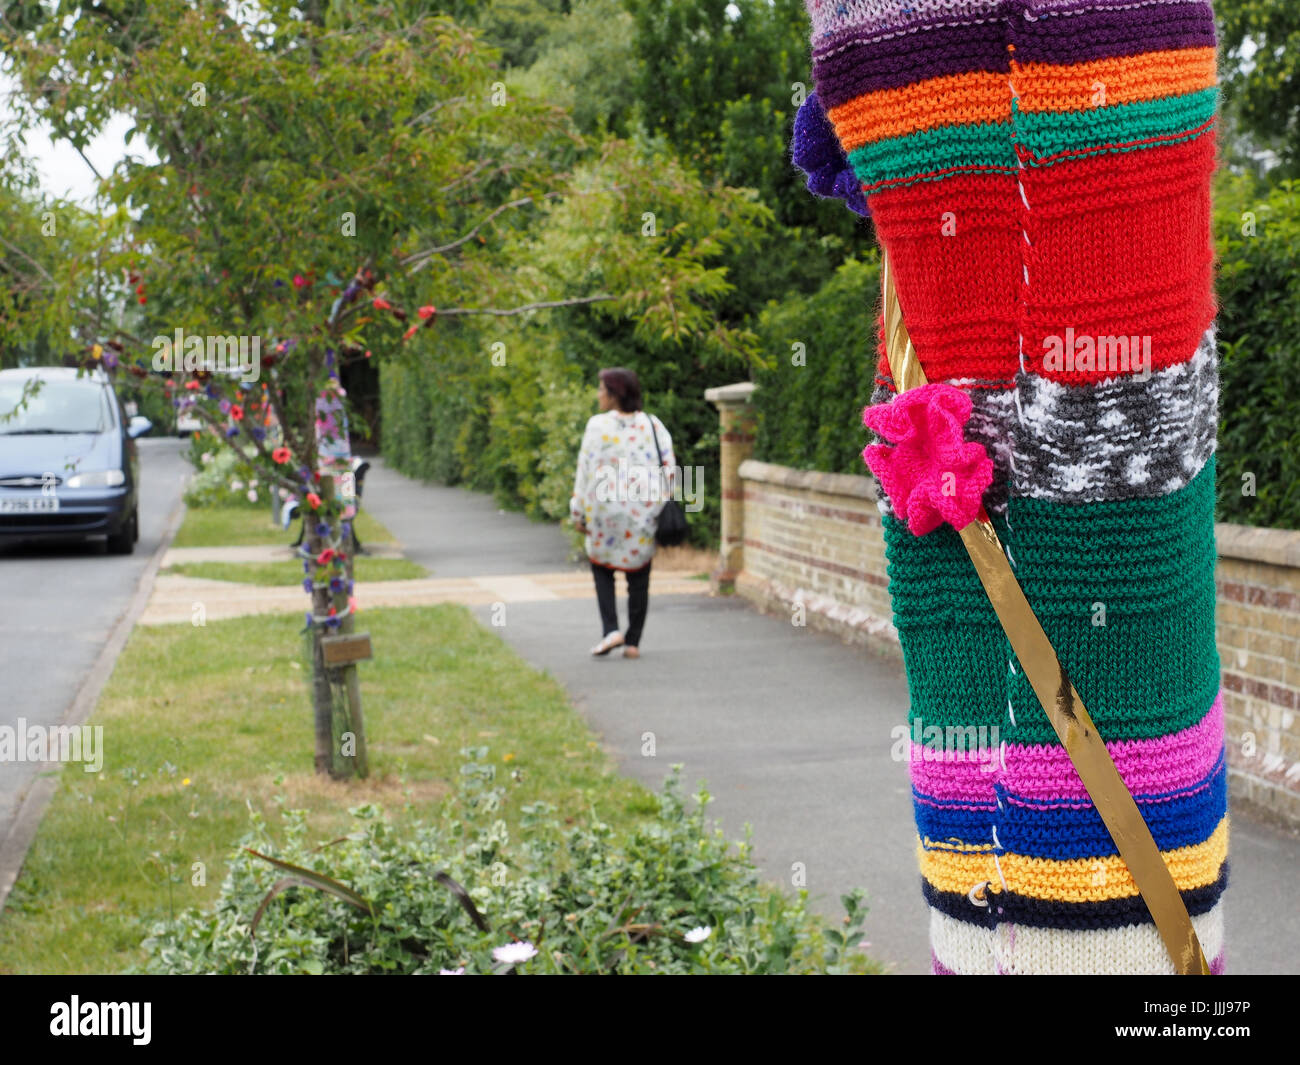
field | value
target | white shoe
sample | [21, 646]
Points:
[612, 640]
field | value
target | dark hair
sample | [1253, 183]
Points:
[624, 386]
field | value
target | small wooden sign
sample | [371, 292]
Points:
[346, 649]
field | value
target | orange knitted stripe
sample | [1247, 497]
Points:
[1119, 80]
[951, 100]
[981, 97]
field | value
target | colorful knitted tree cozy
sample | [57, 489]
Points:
[1039, 173]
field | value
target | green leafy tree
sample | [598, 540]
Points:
[1260, 46]
[339, 182]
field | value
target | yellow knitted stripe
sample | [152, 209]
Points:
[959, 867]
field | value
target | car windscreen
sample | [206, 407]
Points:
[55, 407]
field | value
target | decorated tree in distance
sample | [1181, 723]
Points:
[326, 185]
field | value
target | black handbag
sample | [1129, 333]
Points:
[671, 528]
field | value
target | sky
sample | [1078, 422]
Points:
[62, 171]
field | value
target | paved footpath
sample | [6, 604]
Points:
[790, 728]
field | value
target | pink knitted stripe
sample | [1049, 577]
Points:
[1175, 763]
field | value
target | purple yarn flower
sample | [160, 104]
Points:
[306, 585]
[322, 529]
[336, 585]
[232, 432]
[816, 151]
[224, 405]
[310, 619]
[259, 433]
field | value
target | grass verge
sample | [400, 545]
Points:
[283, 574]
[202, 723]
[248, 526]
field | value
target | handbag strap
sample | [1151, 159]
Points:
[651, 420]
[656, 436]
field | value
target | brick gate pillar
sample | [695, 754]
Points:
[736, 433]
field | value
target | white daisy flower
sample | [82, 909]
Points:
[514, 953]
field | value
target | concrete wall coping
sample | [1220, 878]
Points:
[737, 393]
[1277, 547]
[835, 484]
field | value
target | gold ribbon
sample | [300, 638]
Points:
[1051, 683]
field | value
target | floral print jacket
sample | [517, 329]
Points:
[616, 492]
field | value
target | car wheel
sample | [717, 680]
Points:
[123, 541]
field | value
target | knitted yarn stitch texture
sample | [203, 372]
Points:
[1039, 173]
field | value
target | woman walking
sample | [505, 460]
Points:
[626, 473]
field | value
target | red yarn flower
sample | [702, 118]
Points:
[236, 411]
[932, 474]
[323, 559]
[313, 500]
[281, 455]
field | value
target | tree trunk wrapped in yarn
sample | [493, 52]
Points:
[1039, 173]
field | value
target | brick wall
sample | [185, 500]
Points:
[813, 549]
[1258, 621]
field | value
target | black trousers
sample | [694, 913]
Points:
[638, 600]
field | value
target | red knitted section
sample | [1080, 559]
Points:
[1120, 246]
[953, 244]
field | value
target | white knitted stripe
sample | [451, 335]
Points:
[1020, 949]
[962, 948]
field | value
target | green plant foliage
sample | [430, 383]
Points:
[226, 477]
[1257, 233]
[1260, 58]
[810, 415]
[445, 896]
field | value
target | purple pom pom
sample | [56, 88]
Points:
[816, 151]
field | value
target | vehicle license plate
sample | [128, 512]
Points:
[29, 505]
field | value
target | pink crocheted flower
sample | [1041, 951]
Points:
[932, 474]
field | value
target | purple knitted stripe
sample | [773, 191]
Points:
[900, 61]
[1047, 8]
[849, 67]
[1105, 34]
[889, 19]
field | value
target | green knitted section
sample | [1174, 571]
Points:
[954, 650]
[985, 145]
[1048, 132]
[989, 145]
[1136, 557]
[1151, 669]
[1126, 593]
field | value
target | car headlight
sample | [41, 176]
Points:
[97, 479]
